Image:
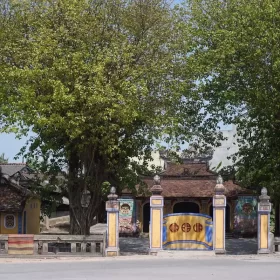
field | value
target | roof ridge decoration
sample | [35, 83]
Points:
[189, 170]
[193, 154]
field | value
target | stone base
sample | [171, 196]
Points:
[112, 252]
[154, 252]
[264, 251]
[220, 251]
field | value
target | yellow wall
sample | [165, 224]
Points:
[156, 228]
[264, 232]
[112, 241]
[219, 236]
[4, 230]
[33, 210]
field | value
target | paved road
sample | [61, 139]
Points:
[145, 268]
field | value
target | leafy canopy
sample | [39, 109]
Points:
[98, 82]
[236, 59]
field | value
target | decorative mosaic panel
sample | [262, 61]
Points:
[127, 217]
[245, 215]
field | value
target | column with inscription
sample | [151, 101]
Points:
[219, 214]
[264, 209]
[112, 208]
[156, 222]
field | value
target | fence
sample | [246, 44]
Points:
[91, 245]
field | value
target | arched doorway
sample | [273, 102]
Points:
[146, 217]
[186, 207]
[228, 214]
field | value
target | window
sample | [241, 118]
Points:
[10, 221]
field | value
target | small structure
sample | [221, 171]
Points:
[19, 208]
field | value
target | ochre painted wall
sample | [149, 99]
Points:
[32, 209]
[4, 230]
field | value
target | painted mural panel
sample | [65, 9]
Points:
[245, 215]
[127, 217]
[187, 232]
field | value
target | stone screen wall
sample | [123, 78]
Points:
[245, 215]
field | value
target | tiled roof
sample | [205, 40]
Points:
[12, 195]
[190, 180]
[12, 168]
[194, 188]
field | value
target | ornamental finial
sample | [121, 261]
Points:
[112, 195]
[264, 191]
[220, 180]
[113, 190]
[157, 180]
[219, 188]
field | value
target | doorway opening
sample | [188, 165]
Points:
[146, 217]
[186, 207]
[228, 218]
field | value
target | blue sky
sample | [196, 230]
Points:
[10, 146]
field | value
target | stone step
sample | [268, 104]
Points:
[229, 235]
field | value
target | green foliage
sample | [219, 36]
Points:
[98, 82]
[235, 59]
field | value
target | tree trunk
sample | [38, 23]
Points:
[81, 218]
[78, 221]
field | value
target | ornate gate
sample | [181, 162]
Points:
[187, 231]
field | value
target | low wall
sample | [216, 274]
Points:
[91, 245]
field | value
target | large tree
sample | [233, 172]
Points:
[235, 60]
[97, 81]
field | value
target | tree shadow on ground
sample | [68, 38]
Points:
[241, 246]
[134, 246]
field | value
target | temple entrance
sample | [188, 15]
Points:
[186, 207]
[146, 217]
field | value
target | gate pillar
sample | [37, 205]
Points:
[264, 209]
[219, 211]
[112, 208]
[156, 222]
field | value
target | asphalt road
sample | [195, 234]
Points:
[145, 269]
